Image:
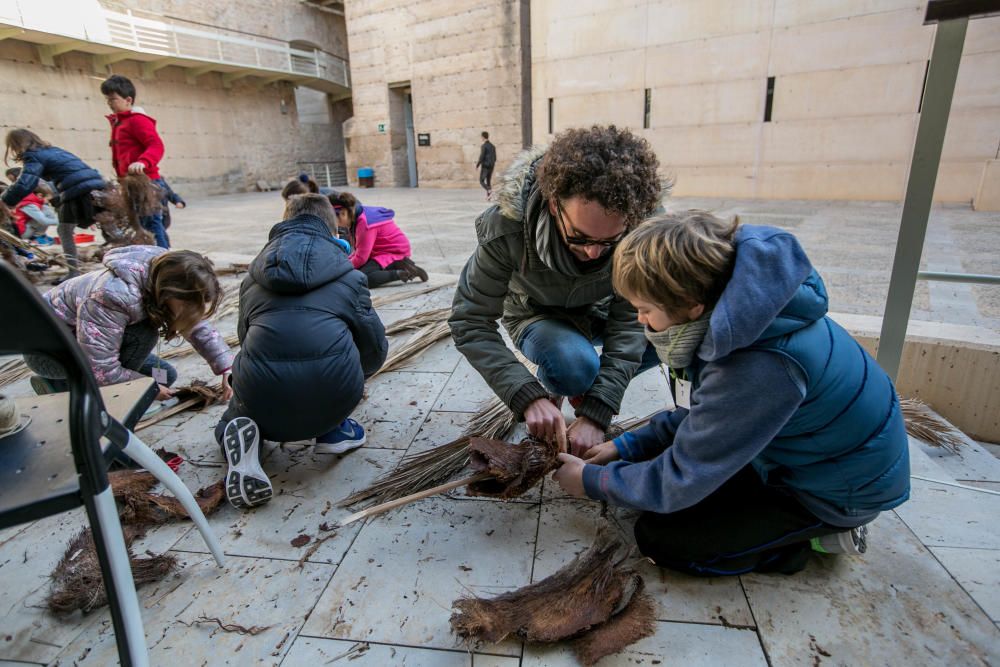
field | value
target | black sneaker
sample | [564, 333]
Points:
[246, 484]
[412, 271]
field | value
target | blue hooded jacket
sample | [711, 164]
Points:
[71, 176]
[777, 385]
[308, 333]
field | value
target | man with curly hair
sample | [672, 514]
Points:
[543, 266]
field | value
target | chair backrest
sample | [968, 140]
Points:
[32, 327]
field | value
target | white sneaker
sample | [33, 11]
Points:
[246, 483]
[852, 542]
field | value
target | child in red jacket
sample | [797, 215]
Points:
[136, 147]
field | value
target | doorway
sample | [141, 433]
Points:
[401, 140]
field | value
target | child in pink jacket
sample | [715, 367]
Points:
[381, 249]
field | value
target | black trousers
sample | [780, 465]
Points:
[378, 276]
[745, 526]
[485, 176]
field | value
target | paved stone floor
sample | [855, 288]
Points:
[379, 592]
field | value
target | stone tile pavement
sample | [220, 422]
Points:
[379, 592]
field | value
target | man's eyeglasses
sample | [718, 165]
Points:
[573, 239]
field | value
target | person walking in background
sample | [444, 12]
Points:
[487, 160]
[73, 179]
[136, 147]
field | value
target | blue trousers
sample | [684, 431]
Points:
[567, 361]
[154, 223]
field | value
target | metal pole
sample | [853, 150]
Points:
[979, 278]
[941, 75]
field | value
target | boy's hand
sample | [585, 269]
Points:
[606, 452]
[570, 475]
[180, 204]
[136, 168]
[545, 421]
[584, 434]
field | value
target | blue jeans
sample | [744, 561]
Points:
[154, 223]
[567, 362]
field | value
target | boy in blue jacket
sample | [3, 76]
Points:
[787, 436]
[308, 339]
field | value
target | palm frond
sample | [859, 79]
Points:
[926, 425]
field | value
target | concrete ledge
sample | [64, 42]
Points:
[953, 368]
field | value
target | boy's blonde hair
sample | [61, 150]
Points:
[676, 260]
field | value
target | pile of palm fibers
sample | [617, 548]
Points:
[595, 601]
[76, 581]
[513, 469]
[139, 506]
[121, 205]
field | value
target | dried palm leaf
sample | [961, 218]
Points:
[234, 269]
[386, 299]
[13, 370]
[586, 594]
[418, 321]
[76, 581]
[41, 255]
[121, 206]
[926, 425]
[422, 339]
[417, 472]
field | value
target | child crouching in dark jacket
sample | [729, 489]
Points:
[309, 337]
[787, 436]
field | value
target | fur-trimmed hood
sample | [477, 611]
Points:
[517, 181]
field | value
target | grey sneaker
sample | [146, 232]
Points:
[246, 483]
[41, 385]
[852, 542]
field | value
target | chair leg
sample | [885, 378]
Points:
[137, 450]
[122, 599]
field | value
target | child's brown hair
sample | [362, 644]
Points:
[349, 203]
[21, 140]
[677, 260]
[188, 277]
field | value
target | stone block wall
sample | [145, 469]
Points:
[848, 78]
[461, 61]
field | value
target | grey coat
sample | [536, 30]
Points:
[505, 278]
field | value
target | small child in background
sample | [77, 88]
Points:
[787, 436]
[136, 146]
[381, 249]
[169, 196]
[73, 179]
[309, 337]
[33, 216]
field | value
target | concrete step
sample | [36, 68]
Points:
[972, 461]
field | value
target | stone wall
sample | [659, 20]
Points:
[461, 60]
[217, 138]
[848, 78]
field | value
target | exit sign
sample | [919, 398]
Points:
[381, 128]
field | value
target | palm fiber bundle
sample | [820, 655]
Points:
[594, 599]
[138, 506]
[422, 339]
[515, 468]
[925, 424]
[76, 581]
[120, 207]
[418, 321]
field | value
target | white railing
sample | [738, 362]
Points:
[172, 38]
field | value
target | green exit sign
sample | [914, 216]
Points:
[381, 128]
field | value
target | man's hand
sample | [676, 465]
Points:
[606, 452]
[584, 434]
[163, 392]
[136, 167]
[545, 421]
[570, 475]
[180, 204]
[227, 386]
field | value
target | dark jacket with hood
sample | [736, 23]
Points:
[778, 385]
[308, 333]
[71, 175]
[505, 277]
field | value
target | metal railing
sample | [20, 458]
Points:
[326, 174]
[172, 38]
